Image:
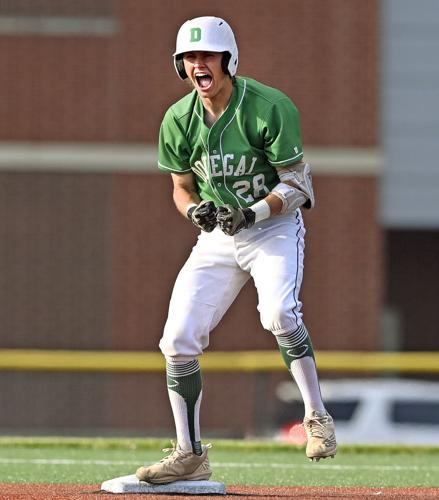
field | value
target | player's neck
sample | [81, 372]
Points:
[215, 107]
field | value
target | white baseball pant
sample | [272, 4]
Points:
[271, 252]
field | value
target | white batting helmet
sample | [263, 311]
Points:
[211, 34]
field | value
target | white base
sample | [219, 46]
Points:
[130, 484]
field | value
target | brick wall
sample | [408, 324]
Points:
[324, 55]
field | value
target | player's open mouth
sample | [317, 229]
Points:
[204, 80]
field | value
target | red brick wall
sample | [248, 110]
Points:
[324, 55]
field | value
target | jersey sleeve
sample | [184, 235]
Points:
[173, 150]
[282, 136]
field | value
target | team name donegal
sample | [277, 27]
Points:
[227, 166]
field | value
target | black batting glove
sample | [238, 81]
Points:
[203, 216]
[232, 220]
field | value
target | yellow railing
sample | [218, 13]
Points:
[242, 361]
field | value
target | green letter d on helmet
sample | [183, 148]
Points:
[195, 34]
[210, 34]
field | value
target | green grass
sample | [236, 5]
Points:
[91, 461]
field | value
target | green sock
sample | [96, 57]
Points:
[295, 345]
[185, 380]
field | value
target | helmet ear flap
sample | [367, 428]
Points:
[179, 66]
[225, 63]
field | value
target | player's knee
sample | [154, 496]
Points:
[183, 339]
[180, 347]
[175, 350]
[279, 319]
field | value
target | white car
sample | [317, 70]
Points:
[370, 411]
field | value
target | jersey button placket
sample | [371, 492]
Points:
[218, 183]
[211, 181]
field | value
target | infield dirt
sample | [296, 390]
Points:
[19, 491]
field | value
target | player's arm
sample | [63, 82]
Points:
[185, 192]
[294, 190]
[201, 213]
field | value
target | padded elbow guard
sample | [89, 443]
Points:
[295, 188]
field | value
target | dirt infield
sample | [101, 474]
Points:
[81, 492]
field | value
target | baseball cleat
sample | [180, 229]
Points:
[177, 466]
[320, 431]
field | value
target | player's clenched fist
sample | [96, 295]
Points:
[203, 215]
[232, 220]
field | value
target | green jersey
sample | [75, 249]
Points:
[235, 161]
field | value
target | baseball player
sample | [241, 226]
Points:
[233, 148]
